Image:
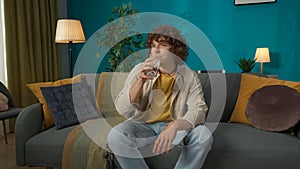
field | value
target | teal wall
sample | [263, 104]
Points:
[235, 31]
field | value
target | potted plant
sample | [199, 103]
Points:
[246, 64]
[128, 46]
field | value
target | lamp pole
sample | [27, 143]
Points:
[69, 31]
[70, 58]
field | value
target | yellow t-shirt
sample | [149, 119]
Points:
[161, 101]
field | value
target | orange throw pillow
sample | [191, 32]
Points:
[35, 88]
[249, 84]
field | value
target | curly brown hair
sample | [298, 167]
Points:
[172, 36]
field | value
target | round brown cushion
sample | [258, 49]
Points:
[274, 108]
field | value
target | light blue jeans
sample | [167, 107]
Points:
[131, 141]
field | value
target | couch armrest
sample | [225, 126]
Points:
[297, 133]
[28, 123]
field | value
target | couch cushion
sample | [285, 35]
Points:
[69, 104]
[35, 88]
[274, 108]
[249, 84]
[46, 148]
[225, 88]
[226, 84]
[253, 148]
[91, 82]
[109, 86]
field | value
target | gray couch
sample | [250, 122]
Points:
[236, 146]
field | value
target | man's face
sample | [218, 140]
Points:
[161, 50]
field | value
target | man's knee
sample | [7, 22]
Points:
[202, 135]
[125, 134]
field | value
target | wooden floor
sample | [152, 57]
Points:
[8, 154]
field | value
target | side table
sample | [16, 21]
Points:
[272, 76]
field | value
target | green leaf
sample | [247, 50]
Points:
[246, 64]
[125, 46]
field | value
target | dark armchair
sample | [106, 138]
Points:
[12, 111]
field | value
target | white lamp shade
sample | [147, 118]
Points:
[262, 55]
[69, 31]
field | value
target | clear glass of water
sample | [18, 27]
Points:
[153, 68]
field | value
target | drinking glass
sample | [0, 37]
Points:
[153, 68]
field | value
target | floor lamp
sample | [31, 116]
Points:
[262, 55]
[69, 31]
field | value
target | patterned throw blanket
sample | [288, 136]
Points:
[85, 146]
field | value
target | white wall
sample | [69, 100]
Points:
[2, 57]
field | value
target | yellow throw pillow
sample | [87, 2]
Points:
[249, 84]
[35, 88]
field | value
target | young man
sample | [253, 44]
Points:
[163, 110]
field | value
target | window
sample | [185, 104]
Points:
[3, 75]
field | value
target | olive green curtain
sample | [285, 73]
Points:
[32, 54]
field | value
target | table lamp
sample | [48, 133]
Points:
[69, 31]
[262, 55]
